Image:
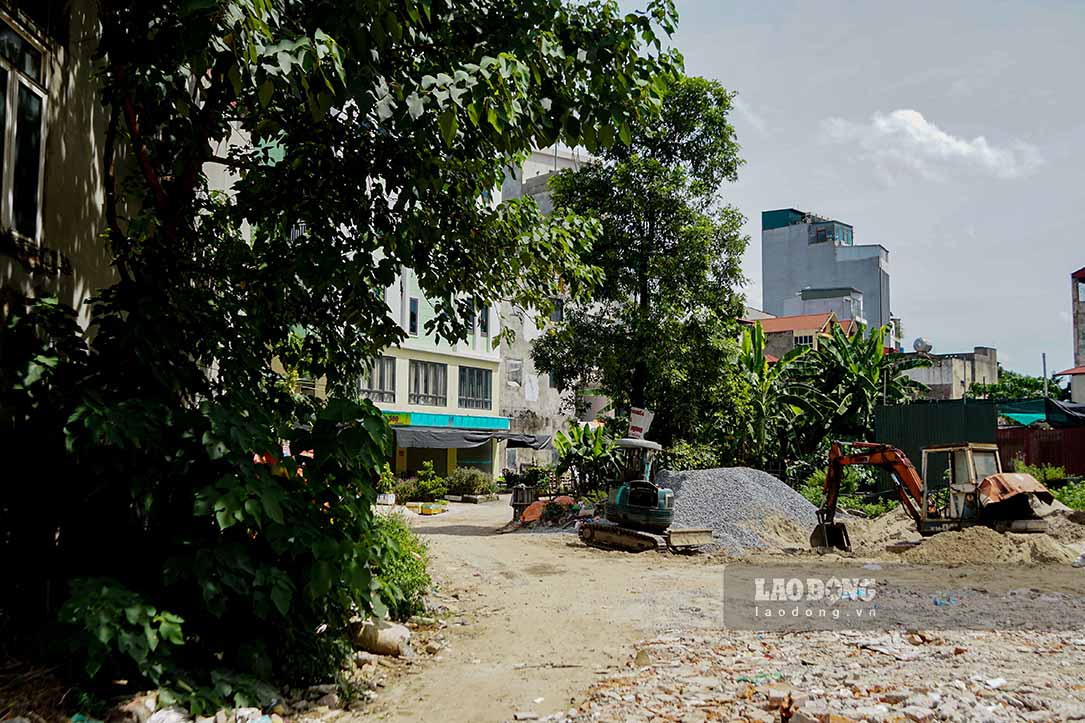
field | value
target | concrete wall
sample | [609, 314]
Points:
[68, 259]
[951, 375]
[1077, 383]
[532, 404]
[790, 263]
[529, 398]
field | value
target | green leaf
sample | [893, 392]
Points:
[282, 597]
[266, 89]
[415, 105]
[449, 125]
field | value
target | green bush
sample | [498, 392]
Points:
[1043, 472]
[427, 486]
[401, 572]
[541, 478]
[470, 481]
[386, 483]
[683, 456]
[850, 498]
[1072, 495]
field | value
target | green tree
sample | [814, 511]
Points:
[589, 454]
[360, 138]
[660, 329]
[1013, 385]
[853, 374]
[779, 401]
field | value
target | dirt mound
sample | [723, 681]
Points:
[981, 545]
[1067, 526]
[870, 536]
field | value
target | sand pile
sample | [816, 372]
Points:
[870, 536]
[981, 546]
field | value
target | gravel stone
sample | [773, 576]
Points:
[732, 501]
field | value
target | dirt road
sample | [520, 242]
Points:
[539, 616]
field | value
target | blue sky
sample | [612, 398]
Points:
[952, 133]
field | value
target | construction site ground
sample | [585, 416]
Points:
[537, 624]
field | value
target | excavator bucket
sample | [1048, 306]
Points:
[830, 535]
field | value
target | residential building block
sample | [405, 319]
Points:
[811, 264]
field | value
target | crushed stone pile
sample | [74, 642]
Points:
[746, 509]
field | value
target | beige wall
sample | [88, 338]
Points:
[72, 214]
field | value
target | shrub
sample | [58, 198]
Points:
[589, 455]
[1072, 495]
[553, 512]
[387, 481]
[1043, 472]
[431, 486]
[683, 456]
[401, 571]
[850, 498]
[470, 481]
[541, 478]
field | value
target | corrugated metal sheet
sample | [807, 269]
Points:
[1060, 447]
[911, 427]
[1001, 487]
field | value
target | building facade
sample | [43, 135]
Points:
[1077, 372]
[533, 402]
[53, 125]
[950, 375]
[811, 264]
[442, 399]
[784, 333]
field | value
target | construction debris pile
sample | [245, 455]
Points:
[845, 676]
[746, 509]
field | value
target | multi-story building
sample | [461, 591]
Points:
[52, 127]
[441, 399]
[1077, 372]
[811, 265]
[784, 333]
[535, 404]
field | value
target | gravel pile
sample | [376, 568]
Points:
[735, 502]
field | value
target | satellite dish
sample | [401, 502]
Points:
[922, 346]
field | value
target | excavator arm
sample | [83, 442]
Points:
[829, 532]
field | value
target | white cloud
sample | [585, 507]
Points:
[904, 142]
[750, 115]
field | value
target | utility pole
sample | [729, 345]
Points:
[1044, 357]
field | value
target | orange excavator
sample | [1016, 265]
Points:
[978, 491]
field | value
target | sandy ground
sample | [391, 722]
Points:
[540, 616]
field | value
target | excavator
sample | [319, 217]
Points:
[978, 492]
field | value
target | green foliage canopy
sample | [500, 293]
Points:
[356, 139]
[660, 330]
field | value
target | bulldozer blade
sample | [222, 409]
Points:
[833, 535]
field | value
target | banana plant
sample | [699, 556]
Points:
[590, 456]
[777, 398]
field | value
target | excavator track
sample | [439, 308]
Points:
[612, 537]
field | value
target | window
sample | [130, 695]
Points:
[307, 386]
[804, 340]
[379, 385]
[475, 388]
[22, 126]
[412, 319]
[558, 312]
[429, 383]
[514, 372]
[484, 321]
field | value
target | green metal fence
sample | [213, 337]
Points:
[911, 427]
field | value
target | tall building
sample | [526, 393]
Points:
[811, 265]
[534, 403]
[441, 399]
[1077, 372]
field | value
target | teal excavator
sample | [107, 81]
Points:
[638, 513]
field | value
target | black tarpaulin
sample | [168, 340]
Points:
[447, 438]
